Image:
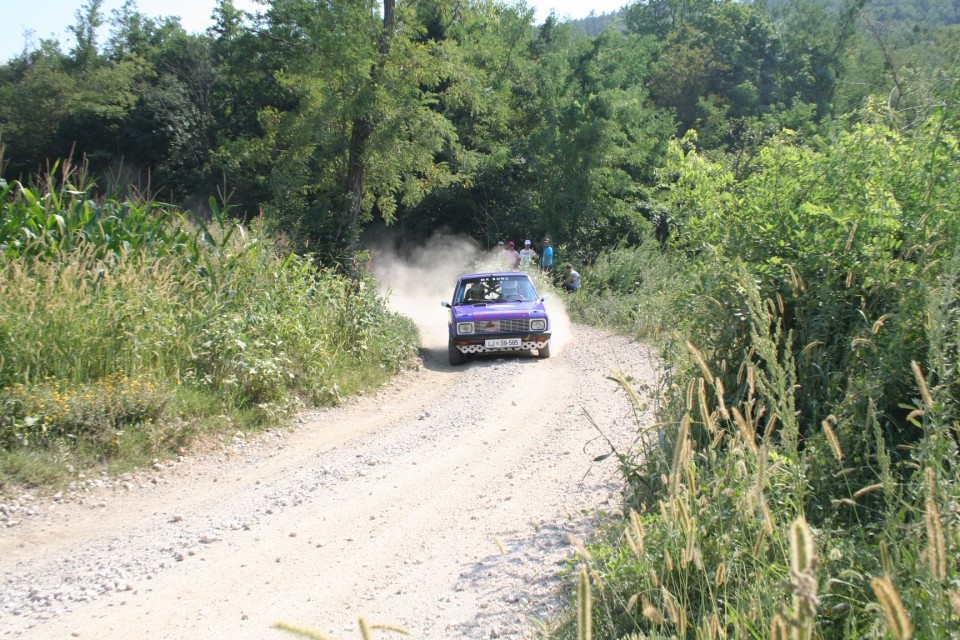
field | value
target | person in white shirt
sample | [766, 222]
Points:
[498, 253]
[528, 257]
[572, 281]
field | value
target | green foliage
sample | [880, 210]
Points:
[631, 289]
[99, 112]
[462, 117]
[145, 324]
[51, 219]
[841, 237]
[367, 119]
[33, 101]
[808, 268]
[723, 65]
[594, 141]
[570, 151]
[84, 54]
[97, 412]
[806, 446]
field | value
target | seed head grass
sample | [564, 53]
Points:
[754, 523]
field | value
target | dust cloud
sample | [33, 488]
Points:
[415, 280]
[560, 325]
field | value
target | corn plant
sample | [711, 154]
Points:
[209, 313]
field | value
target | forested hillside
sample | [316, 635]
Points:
[446, 114]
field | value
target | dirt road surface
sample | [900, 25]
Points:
[443, 505]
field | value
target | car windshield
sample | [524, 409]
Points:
[490, 289]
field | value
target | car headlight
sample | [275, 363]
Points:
[464, 327]
[538, 325]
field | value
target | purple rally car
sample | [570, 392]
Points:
[493, 312]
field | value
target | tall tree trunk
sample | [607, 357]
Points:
[362, 128]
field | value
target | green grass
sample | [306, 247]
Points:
[113, 353]
[800, 478]
[631, 290]
[731, 535]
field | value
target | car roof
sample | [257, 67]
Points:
[493, 274]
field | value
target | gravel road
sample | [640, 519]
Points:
[443, 505]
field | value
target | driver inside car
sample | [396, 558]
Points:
[476, 292]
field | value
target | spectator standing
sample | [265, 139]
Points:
[497, 255]
[511, 258]
[572, 281]
[528, 257]
[546, 258]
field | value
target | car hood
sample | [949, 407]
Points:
[499, 311]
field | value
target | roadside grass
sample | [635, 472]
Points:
[113, 354]
[731, 534]
[631, 290]
[800, 478]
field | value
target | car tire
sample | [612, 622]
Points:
[454, 354]
[544, 351]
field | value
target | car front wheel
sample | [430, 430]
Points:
[544, 351]
[456, 357]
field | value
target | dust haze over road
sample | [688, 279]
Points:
[443, 504]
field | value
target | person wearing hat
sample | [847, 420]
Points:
[510, 258]
[528, 257]
[496, 255]
[546, 258]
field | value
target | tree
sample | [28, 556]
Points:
[816, 36]
[720, 65]
[89, 18]
[366, 137]
[588, 138]
[95, 123]
[32, 103]
[360, 131]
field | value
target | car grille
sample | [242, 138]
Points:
[503, 326]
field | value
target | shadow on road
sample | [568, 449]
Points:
[435, 359]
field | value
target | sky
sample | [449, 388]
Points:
[51, 18]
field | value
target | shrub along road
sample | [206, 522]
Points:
[444, 505]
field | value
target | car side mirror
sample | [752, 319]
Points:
[444, 303]
[543, 298]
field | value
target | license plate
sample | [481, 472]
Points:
[501, 342]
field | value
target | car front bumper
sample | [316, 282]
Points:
[479, 344]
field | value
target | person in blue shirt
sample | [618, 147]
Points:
[546, 257]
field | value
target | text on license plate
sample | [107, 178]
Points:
[501, 342]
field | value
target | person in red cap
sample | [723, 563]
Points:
[511, 258]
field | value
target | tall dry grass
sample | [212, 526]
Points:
[752, 533]
[803, 478]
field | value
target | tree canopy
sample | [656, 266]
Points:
[324, 116]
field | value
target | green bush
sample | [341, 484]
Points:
[54, 410]
[210, 314]
[808, 440]
[631, 289]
